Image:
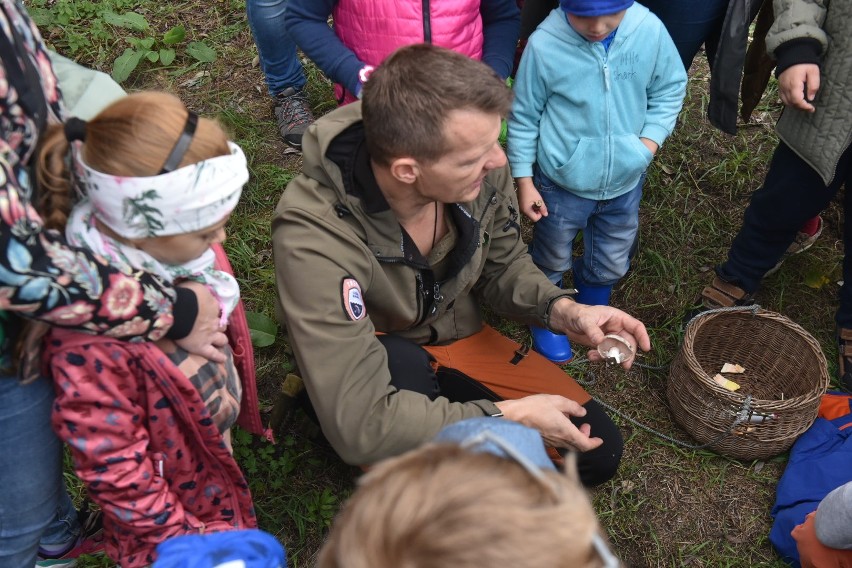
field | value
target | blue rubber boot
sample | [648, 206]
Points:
[551, 345]
[592, 295]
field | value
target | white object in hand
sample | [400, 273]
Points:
[616, 348]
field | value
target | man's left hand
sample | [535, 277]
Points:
[589, 324]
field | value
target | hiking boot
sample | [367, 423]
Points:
[803, 241]
[293, 114]
[90, 541]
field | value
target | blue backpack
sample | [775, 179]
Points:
[820, 461]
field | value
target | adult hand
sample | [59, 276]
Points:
[206, 337]
[588, 325]
[529, 200]
[798, 86]
[548, 413]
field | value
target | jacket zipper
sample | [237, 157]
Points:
[421, 290]
[608, 177]
[427, 23]
[491, 201]
[421, 300]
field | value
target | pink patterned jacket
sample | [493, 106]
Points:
[143, 441]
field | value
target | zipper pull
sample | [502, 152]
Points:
[158, 459]
[606, 75]
[437, 294]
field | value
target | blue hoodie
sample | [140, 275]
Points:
[579, 110]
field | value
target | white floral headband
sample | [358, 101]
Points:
[185, 200]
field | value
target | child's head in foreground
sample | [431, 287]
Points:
[160, 178]
[595, 19]
[484, 493]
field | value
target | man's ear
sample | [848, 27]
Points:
[405, 170]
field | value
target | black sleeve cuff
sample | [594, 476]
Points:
[796, 51]
[184, 311]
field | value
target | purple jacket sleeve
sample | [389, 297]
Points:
[501, 26]
[307, 24]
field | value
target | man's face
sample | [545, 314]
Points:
[596, 28]
[457, 176]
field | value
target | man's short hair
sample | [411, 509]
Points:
[408, 97]
[442, 505]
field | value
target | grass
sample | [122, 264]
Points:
[668, 506]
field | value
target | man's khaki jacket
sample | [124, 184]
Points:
[346, 270]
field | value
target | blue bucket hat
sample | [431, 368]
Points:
[588, 8]
[503, 438]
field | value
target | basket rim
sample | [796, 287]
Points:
[691, 360]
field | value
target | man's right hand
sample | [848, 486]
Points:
[548, 413]
[206, 338]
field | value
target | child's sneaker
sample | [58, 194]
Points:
[90, 541]
[805, 239]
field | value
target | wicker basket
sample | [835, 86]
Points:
[785, 376]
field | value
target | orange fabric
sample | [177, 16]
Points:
[834, 406]
[813, 553]
[486, 356]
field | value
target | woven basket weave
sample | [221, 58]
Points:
[785, 375]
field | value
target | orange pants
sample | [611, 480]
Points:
[813, 553]
[495, 361]
[489, 366]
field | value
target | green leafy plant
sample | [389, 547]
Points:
[154, 50]
[90, 26]
[262, 329]
[74, 26]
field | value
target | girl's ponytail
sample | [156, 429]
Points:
[55, 193]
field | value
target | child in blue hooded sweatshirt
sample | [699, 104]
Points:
[597, 92]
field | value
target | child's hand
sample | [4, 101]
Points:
[529, 200]
[793, 83]
[650, 145]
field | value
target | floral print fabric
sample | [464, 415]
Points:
[188, 199]
[82, 230]
[42, 277]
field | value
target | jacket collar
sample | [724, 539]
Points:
[349, 152]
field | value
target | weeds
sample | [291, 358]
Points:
[89, 29]
[668, 506]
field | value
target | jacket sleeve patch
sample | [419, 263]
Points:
[353, 301]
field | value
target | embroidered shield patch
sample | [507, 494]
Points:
[353, 302]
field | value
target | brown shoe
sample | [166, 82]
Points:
[721, 294]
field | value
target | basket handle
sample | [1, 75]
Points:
[753, 308]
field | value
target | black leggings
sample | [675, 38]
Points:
[411, 368]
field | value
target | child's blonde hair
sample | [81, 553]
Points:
[131, 137]
[443, 506]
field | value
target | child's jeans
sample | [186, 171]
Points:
[34, 506]
[609, 229]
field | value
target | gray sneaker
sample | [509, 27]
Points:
[801, 243]
[293, 114]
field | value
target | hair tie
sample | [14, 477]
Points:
[75, 129]
[182, 144]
